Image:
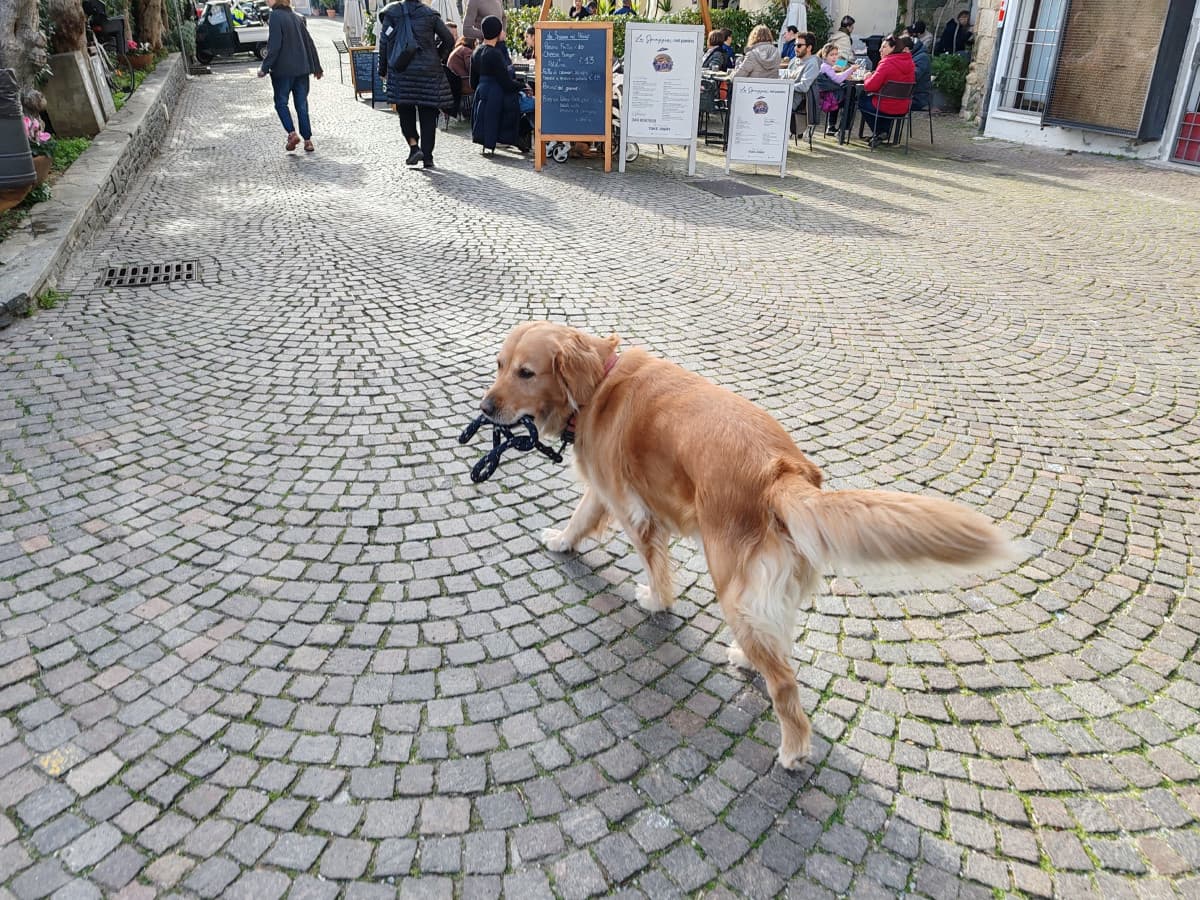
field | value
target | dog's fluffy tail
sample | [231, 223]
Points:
[886, 530]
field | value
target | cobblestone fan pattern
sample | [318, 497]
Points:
[261, 637]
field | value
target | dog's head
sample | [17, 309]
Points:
[547, 371]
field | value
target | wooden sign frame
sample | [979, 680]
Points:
[734, 105]
[353, 80]
[539, 139]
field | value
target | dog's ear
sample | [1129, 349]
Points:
[579, 365]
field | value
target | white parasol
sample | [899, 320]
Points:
[797, 15]
[354, 23]
[448, 10]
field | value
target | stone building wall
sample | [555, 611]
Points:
[981, 63]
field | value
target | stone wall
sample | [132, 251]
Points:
[981, 63]
[85, 197]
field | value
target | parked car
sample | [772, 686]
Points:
[227, 27]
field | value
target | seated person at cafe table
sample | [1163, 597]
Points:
[716, 57]
[804, 68]
[578, 10]
[830, 78]
[761, 59]
[624, 9]
[923, 64]
[788, 50]
[895, 65]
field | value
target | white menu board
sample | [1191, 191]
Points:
[660, 100]
[759, 110]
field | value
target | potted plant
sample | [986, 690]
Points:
[140, 56]
[949, 80]
[330, 8]
[41, 145]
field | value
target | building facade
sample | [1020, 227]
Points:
[1105, 76]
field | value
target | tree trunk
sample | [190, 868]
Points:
[23, 48]
[70, 26]
[150, 23]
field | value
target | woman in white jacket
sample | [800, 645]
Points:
[762, 56]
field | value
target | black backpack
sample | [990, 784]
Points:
[404, 46]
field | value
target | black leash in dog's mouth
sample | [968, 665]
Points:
[504, 437]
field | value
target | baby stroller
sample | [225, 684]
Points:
[560, 151]
[632, 151]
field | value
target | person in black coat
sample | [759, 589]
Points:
[420, 88]
[497, 113]
[957, 36]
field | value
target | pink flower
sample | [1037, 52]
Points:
[131, 45]
[43, 136]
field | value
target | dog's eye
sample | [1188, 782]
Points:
[525, 373]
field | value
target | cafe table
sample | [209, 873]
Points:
[846, 118]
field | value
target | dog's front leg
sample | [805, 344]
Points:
[590, 516]
[651, 540]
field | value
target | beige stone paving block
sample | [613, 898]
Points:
[152, 608]
[94, 773]
[111, 677]
[17, 671]
[196, 648]
[1162, 856]
[35, 543]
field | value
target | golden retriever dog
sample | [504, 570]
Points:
[665, 452]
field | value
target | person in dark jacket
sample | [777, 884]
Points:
[291, 58]
[497, 113]
[419, 89]
[957, 36]
[923, 92]
[716, 57]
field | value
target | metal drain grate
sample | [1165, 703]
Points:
[151, 273]
[727, 187]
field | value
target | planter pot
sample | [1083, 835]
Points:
[945, 103]
[331, 13]
[42, 165]
[10, 197]
[141, 60]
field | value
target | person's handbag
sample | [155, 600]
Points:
[404, 47]
[829, 101]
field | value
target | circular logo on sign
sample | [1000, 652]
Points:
[663, 61]
[760, 107]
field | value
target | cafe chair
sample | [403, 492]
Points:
[892, 90]
[909, 117]
[342, 51]
[714, 101]
[806, 120]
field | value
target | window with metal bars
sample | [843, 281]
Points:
[1026, 85]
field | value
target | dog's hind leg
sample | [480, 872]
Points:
[760, 609]
[589, 518]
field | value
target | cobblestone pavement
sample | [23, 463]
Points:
[260, 635]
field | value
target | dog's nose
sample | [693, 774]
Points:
[488, 406]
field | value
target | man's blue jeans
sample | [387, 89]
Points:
[296, 87]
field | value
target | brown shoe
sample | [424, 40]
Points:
[293, 141]
[308, 147]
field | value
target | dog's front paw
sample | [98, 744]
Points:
[555, 541]
[793, 760]
[647, 601]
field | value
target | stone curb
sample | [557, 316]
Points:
[86, 196]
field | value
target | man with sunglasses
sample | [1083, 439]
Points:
[804, 68]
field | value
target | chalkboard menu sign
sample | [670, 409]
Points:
[368, 79]
[574, 84]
